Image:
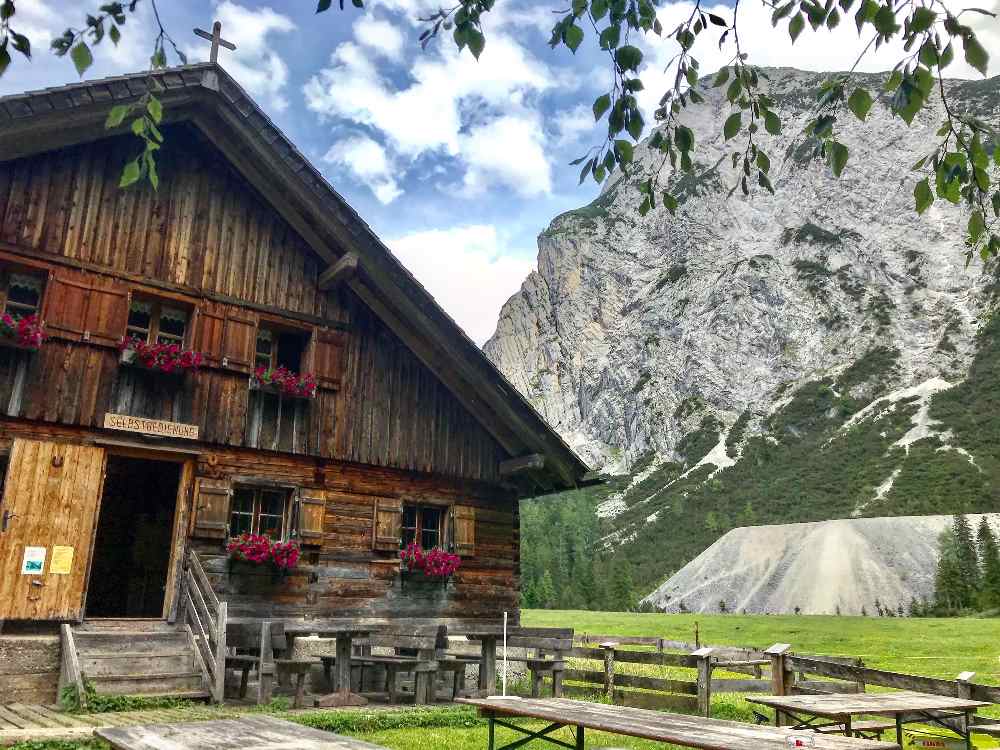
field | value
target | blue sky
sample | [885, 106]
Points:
[457, 164]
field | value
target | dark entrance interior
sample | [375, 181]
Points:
[128, 575]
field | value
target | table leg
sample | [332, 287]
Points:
[579, 738]
[488, 668]
[492, 733]
[847, 727]
[967, 726]
[899, 729]
[343, 696]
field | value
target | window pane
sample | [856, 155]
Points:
[409, 536]
[272, 511]
[431, 527]
[140, 315]
[173, 323]
[410, 516]
[241, 516]
[24, 293]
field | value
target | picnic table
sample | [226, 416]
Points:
[344, 633]
[903, 706]
[686, 731]
[248, 733]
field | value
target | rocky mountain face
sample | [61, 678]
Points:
[726, 359]
[831, 567]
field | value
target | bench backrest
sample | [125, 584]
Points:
[248, 635]
[424, 638]
[544, 639]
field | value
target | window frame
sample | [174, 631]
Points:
[419, 529]
[276, 329]
[153, 333]
[258, 491]
[5, 275]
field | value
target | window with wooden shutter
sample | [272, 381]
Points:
[84, 307]
[226, 337]
[326, 357]
[311, 511]
[463, 529]
[388, 524]
[211, 508]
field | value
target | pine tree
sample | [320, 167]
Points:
[989, 559]
[545, 592]
[968, 562]
[947, 579]
[622, 587]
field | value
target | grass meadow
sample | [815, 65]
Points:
[935, 647]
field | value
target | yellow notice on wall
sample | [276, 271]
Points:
[62, 561]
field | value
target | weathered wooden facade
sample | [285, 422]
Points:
[247, 256]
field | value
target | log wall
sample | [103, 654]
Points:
[207, 233]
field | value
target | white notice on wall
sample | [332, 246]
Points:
[34, 561]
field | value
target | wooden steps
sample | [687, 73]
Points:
[150, 658]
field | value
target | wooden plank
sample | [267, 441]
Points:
[836, 705]
[634, 681]
[229, 734]
[340, 272]
[522, 464]
[637, 657]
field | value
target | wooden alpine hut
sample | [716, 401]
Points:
[233, 352]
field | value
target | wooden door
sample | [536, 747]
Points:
[51, 496]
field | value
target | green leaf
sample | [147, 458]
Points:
[996, 203]
[601, 105]
[684, 138]
[628, 57]
[115, 35]
[977, 225]
[765, 182]
[795, 26]
[982, 179]
[130, 174]
[611, 36]
[81, 57]
[721, 77]
[573, 36]
[625, 151]
[586, 170]
[4, 59]
[860, 103]
[838, 157]
[996, 155]
[599, 9]
[477, 42]
[116, 116]
[885, 21]
[833, 20]
[669, 201]
[922, 195]
[644, 206]
[732, 125]
[155, 109]
[922, 19]
[635, 125]
[772, 123]
[763, 163]
[323, 5]
[21, 43]
[975, 55]
[892, 82]
[782, 12]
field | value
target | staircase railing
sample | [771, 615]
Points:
[202, 611]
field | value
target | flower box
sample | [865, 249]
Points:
[284, 382]
[169, 359]
[256, 550]
[435, 565]
[21, 333]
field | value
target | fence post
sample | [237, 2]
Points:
[609, 670]
[781, 678]
[964, 686]
[861, 683]
[704, 657]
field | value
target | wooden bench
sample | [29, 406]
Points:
[551, 645]
[261, 641]
[415, 651]
[869, 728]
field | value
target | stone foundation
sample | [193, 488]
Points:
[29, 669]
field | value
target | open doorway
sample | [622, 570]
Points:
[129, 571]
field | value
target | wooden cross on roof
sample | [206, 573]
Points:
[216, 39]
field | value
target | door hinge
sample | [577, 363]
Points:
[5, 521]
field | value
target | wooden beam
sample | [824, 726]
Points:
[522, 464]
[340, 272]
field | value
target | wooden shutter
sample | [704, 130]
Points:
[52, 495]
[211, 508]
[388, 531]
[463, 529]
[84, 307]
[311, 511]
[227, 337]
[326, 357]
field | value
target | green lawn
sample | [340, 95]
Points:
[941, 648]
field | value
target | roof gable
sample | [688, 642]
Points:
[210, 99]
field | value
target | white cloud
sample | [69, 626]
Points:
[368, 161]
[448, 104]
[254, 64]
[510, 151]
[468, 270]
[379, 35]
[574, 123]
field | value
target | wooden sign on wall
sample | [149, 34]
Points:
[151, 426]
